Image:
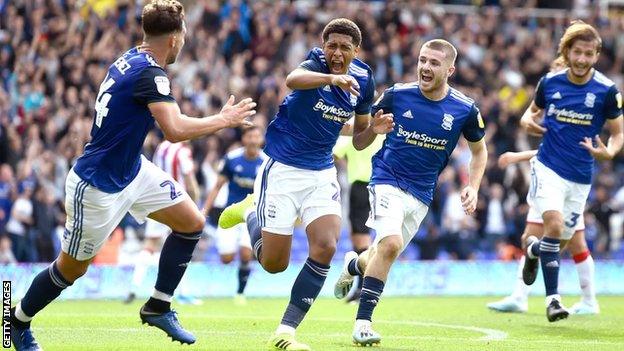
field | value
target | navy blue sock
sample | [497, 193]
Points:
[371, 292]
[353, 268]
[243, 274]
[549, 256]
[255, 233]
[535, 248]
[304, 291]
[46, 286]
[174, 257]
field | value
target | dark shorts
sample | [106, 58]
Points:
[359, 207]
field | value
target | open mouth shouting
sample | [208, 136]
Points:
[337, 65]
[426, 77]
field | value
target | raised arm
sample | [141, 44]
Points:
[529, 121]
[179, 127]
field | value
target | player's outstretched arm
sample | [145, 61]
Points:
[303, 79]
[178, 127]
[365, 128]
[477, 168]
[601, 151]
[510, 157]
[530, 118]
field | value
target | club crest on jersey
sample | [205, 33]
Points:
[162, 85]
[353, 100]
[447, 121]
[590, 98]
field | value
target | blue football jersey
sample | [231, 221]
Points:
[571, 113]
[309, 121]
[111, 160]
[241, 173]
[425, 134]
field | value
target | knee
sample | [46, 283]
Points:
[390, 247]
[274, 266]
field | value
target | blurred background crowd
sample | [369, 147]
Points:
[55, 53]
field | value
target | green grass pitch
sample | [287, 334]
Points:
[410, 323]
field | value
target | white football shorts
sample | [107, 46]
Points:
[92, 214]
[550, 192]
[394, 212]
[282, 193]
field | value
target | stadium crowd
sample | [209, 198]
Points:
[55, 53]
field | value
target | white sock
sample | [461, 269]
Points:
[159, 295]
[521, 290]
[585, 271]
[20, 315]
[549, 298]
[143, 261]
[285, 329]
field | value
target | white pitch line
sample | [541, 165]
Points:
[490, 334]
[333, 335]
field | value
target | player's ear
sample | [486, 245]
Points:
[357, 50]
[451, 70]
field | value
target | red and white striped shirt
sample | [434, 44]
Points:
[175, 159]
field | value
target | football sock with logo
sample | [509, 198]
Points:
[255, 233]
[174, 258]
[549, 257]
[304, 291]
[46, 287]
[371, 292]
[243, 274]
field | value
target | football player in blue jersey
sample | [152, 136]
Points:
[575, 104]
[238, 169]
[299, 177]
[429, 116]
[112, 177]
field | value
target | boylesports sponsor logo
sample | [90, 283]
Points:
[422, 139]
[332, 112]
[570, 116]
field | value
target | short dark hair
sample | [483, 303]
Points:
[343, 26]
[444, 46]
[162, 17]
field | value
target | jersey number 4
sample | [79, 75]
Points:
[101, 102]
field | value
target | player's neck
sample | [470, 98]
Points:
[153, 50]
[437, 94]
[580, 80]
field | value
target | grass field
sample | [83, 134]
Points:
[418, 323]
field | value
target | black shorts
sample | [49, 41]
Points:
[359, 207]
